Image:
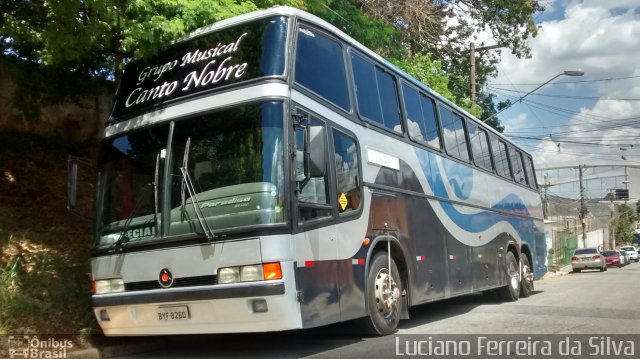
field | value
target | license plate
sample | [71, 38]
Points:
[166, 314]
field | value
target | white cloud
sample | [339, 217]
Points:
[589, 37]
[602, 38]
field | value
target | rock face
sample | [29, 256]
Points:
[81, 118]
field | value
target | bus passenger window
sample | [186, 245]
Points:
[376, 94]
[479, 146]
[453, 131]
[421, 117]
[500, 157]
[320, 67]
[347, 172]
[516, 165]
[531, 176]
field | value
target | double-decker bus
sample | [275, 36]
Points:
[269, 172]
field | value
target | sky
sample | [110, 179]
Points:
[593, 119]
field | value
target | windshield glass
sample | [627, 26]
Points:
[234, 160]
[586, 251]
[129, 166]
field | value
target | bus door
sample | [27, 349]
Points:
[315, 236]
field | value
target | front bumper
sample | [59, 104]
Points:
[222, 308]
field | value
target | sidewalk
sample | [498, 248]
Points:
[557, 272]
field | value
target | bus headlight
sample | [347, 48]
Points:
[250, 273]
[106, 286]
[228, 275]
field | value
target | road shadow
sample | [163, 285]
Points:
[287, 344]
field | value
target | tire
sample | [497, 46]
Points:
[577, 270]
[602, 269]
[383, 307]
[526, 277]
[510, 292]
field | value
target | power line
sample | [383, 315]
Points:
[600, 98]
[567, 82]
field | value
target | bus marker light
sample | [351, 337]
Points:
[308, 263]
[104, 316]
[419, 258]
[359, 261]
[272, 271]
[366, 241]
[452, 257]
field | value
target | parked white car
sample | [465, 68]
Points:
[632, 251]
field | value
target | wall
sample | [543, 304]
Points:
[81, 118]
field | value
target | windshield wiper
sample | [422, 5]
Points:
[186, 182]
[118, 246]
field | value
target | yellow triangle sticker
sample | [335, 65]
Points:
[343, 201]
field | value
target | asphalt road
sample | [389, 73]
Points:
[588, 310]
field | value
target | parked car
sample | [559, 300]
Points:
[588, 258]
[633, 252]
[624, 257]
[612, 258]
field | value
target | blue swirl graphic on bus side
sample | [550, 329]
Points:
[461, 181]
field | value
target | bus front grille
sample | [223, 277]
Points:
[177, 283]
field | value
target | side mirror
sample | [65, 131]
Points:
[72, 184]
[317, 153]
[77, 206]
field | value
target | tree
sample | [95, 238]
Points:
[92, 39]
[444, 29]
[623, 224]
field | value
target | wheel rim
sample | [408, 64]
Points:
[387, 293]
[514, 275]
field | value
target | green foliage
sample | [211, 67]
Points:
[96, 37]
[623, 224]
[445, 29]
[44, 254]
[374, 33]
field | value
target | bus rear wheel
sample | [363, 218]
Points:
[384, 301]
[526, 284]
[511, 292]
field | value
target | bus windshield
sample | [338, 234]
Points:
[233, 161]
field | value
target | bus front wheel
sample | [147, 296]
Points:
[384, 298]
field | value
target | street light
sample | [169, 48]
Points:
[566, 72]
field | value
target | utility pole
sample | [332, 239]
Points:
[472, 61]
[583, 208]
